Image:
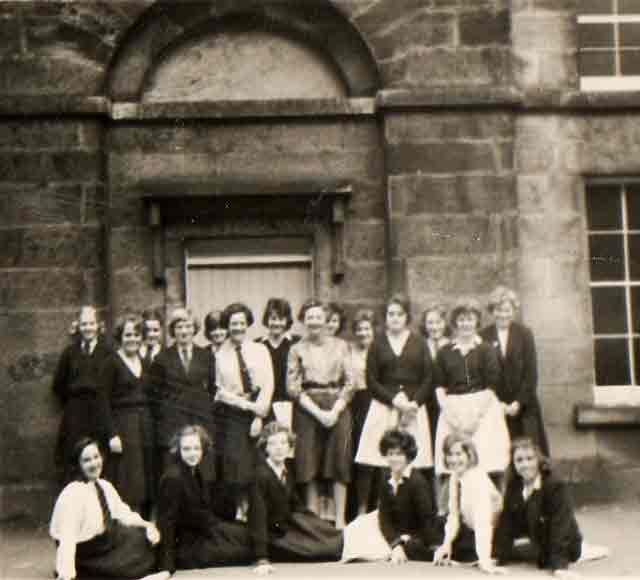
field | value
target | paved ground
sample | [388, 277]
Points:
[28, 553]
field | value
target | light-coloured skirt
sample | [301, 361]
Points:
[381, 418]
[491, 436]
[363, 540]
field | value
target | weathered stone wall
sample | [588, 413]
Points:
[52, 202]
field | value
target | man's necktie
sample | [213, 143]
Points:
[186, 359]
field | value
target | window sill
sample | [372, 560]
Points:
[599, 416]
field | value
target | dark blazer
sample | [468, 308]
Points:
[547, 517]
[388, 374]
[519, 381]
[271, 505]
[179, 398]
[411, 511]
[185, 511]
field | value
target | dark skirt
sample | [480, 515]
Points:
[321, 452]
[359, 409]
[132, 471]
[529, 424]
[120, 552]
[226, 544]
[235, 449]
[79, 419]
[307, 538]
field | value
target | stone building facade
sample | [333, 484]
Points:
[437, 147]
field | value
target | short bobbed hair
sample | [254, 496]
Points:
[363, 315]
[469, 306]
[468, 446]
[308, 305]
[396, 439]
[150, 314]
[88, 308]
[76, 452]
[122, 321]
[335, 308]
[502, 294]
[544, 463]
[199, 430]
[274, 428]
[441, 309]
[402, 301]
[212, 321]
[236, 308]
[182, 314]
[281, 308]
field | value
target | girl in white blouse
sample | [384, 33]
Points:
[97, 534]
[474, 505]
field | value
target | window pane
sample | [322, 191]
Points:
[634, 257]
[595, 35]
[595, 7]
[630, 34]
[636, 350]
[630, 62]
[612, 362]
[606, 258]
[609, 311]
[628, 7]
[597, 63]
[633, 206]
[635, 311]
[604, 209]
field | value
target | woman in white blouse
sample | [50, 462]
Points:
[96, 533]
[474, 506]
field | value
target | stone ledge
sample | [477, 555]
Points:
[592, 416]
[581, 101]
[27, 105]
[449, 97]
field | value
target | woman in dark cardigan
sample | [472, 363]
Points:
[130, 465]
[516, 349]
[281, 526]
[192, 536]
[538, 506]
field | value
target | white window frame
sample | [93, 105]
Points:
[617, 82]
[619, 395]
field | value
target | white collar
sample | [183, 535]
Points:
[277, 470]
[527, 491]
[406, 474]
[92, 343]
[477, 341]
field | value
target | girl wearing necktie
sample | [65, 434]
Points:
[96, 533]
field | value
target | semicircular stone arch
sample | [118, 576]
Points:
[244, 49]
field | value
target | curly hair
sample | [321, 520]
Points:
[396, 439]
[441, 309]
[335, 308]
[470, 306]
[363, 315]
[199, 430]
[236, 308]
[308, 305]
[182, 314]
[400, 300]
[275, 428]
[122, 322]
[502, 294]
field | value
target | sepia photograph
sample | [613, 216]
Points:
[334, 289]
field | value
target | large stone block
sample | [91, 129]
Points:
[130, 247]
[134, 290]
[380, 14]
[363, 283]
[483, 27]
[35, 135]
[544, 235]
[563, 362]
[45, 167]
[543, 32]
[364, 242]
[445, 235]
[45, 288]
[458, 157]
[421, 127]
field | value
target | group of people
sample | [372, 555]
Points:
[192, 450]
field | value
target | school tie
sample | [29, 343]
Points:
[107, 519]
[85, 348]
[186, 359]
[245, 377]
[283, 477]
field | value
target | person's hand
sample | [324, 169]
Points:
[399, 556]
[153, 534]
[256, 427]
[327, 419]
[566, 574]
[400, 401]
[264, 569]
[442, 556]
[513, 409]
[115, 444]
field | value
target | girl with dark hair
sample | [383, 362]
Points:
[244, 388]
[282, 528]
[474, 506]
[406, 518]
[97, 534]
[538, 506]
[214, 332]
[399, 380]
[192, 535]
[320, 383]
[336, 319]
[130, 465]
[77, 384]
[466, 377]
